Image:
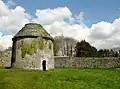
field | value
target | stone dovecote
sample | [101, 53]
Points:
[32, 46]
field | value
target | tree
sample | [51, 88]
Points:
[67, 49]
[106, 52]
[111, 53]
[84, 49]
[101, 53]
[56, 47]
[71, 51]
[116, 54]
[64, 44]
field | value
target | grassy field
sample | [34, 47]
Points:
[60, 79]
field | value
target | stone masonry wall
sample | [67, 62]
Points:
[5, 57]
[75, 62]
[82, 62]
[30, 52]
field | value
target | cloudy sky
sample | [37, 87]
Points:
[96, 21]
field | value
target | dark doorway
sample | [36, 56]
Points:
[44, 65]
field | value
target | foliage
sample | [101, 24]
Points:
[33, 47]
[107, 53]
[100, 53]
[41, 43]
[65, 45]
[60, 79]
[56, 47]
[28, 48]
[25, 49]
[84, 49]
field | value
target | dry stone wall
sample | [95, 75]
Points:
[5, 58]
[70, 62]
[90, 62]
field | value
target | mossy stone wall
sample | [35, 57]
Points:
[32, 51]
[87, 62]
[41, 43]
[28, 48]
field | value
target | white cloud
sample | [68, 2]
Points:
[105, 34]
[5, 41]
[4, 11]
[53, 21]
[80, 17]
[102, 30]
[48, 16]
[12, 19]
[101, 35]
[78, 31]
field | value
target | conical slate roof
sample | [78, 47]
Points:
[33, 29]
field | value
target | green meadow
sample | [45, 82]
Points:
[66, 78]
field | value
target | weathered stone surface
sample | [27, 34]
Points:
[31, 62]
[33, 29]
[5, 58]
[31, 45]
[88, 62]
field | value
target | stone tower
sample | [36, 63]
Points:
[32, 48]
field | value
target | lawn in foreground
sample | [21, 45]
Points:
[60, 79]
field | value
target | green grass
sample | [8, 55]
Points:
[60, 79]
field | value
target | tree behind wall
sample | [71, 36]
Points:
[66, 46]
[84, 49]
[56, 47]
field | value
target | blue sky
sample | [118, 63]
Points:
[94, 10]
[97, 21]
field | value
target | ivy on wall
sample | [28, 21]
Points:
[41, 44]
[28, 48]
[33, 47]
